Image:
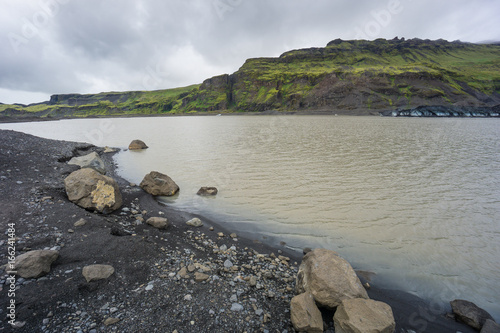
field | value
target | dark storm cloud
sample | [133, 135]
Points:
[61, 46]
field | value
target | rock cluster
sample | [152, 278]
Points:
[327, 280]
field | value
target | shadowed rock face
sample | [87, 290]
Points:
[91, 190]
[156, 183]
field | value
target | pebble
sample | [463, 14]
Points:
[236, 307]
[228, 263]
[188, 297]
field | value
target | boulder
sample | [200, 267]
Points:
[469, 313]
[158, 222]
[97, 272]
[305, 315]
[137, 144]
[364, 315]
[156, 183]
[34, 264]
[207, 191]
[91, 160]
[329, 278]
[91, 190]
[490, 327]
[196, 222]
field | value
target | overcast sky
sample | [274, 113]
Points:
[90, 46]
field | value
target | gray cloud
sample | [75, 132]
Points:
[88, 46]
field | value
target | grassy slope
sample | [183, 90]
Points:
[348, 75]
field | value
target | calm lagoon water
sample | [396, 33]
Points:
[417, 201]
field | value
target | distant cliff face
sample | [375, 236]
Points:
[349, 77]
[359, 75]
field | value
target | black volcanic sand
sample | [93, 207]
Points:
[145, 293]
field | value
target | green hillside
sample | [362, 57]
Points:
[350, 77]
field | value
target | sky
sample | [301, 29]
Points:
[91, 46]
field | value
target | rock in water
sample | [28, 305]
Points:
[158, 222]
[89, 189]
[469, 313]
[329, 278]
[207, 191]
[305, 315]
[156, 183]
[91, 160]
[34, 264]
[137, 144]
[364, 315]
[97, 272]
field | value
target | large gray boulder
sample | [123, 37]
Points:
[156, 183]
[363, 315]
[305, 315]
[329, 278]
[91, 190]
[91, 160]
[469, 313]
[34, 264]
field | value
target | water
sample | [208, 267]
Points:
[417, 201]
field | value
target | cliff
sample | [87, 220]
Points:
[345, 77]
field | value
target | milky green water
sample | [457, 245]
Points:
[417, 201]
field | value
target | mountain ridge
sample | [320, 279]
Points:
[350, 77]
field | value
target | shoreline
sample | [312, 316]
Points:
[137, 258]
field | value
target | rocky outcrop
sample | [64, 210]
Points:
[156, 183]
[158, 222]
[91, 160]
[364, 315]
[469, 313]
[207, 191]
[97, 272]
[137, 145]
[329, 278]
[34, 264]
[305, 315]
[91, 190]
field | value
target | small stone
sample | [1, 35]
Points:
[158, 222]
[252, 281]
[80, 223]
[228, 263]
[220, 234]
[111, 321]
[234, 298]
[196, 222]
[211, 229]
[200, 277]
[233, 235]
[71, 231]
[188, 297]
[97, 272]
[236, 307]
[137, 145]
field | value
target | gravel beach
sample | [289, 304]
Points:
[179, 279]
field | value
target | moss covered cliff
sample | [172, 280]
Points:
[350, 77]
